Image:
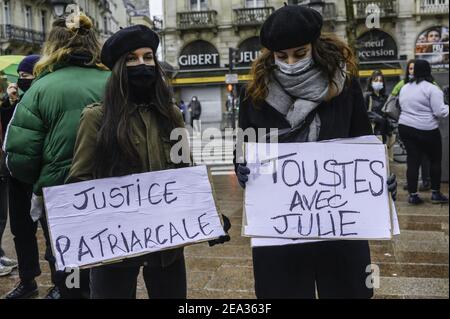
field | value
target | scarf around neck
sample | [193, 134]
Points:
[296, 96]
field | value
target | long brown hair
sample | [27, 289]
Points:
[329, 54]
[116, 154]
[63, 41]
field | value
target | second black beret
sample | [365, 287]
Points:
[291, 26]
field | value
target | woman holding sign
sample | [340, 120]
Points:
[129, 133]
[304, 84]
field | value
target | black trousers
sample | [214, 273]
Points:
[3, 209]
[425, 169]
[116, 282]
[338, 269]
[23, 229]
[194, 118]
[419, 143]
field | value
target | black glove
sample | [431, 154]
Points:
[392, 186]
[242, 173]
[376, 118]
[222, 239]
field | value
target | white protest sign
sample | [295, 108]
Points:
[332, 191]
[112, 219]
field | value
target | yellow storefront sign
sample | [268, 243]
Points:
[247, 77]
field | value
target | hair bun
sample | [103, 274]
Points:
[79, 21]
[85, 22]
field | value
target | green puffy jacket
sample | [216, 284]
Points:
[41, 136]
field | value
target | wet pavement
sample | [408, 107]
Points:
[414, 265]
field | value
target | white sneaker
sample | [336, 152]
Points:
[8, 262]
[5, 271]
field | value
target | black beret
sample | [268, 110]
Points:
[291, 26]
[127, 40]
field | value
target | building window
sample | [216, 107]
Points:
[198, 5]
[28, 18]
[255, 3]
[43, 21]
[435, 2]
[105, 25]
[7, 12]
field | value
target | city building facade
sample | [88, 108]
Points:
[139, 12]
[197, 36]
[24, 24]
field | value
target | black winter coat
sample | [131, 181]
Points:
[337, 267]
[6, 112]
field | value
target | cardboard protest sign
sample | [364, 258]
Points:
[112, 219]
[321, 191]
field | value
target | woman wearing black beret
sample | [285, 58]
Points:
[130, 133]
[304, 83]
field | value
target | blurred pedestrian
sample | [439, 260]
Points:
[104, 148]
[425, 185]
[409, 77]
[375, 99]
[422, 104]
[22, 225]
[304, 84]
[5, 269]
[68, 77]
[183, 108]
[195, 108]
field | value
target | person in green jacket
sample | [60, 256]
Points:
[409, 76]
[41, 136]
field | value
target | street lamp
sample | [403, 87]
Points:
[59, 7]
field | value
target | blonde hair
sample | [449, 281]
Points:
[66, 38]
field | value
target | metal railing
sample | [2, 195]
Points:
[197, 20]
[11, 32]
[251, 16]
[385, 8]
[432, 6]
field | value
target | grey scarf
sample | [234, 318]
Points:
[296, 96]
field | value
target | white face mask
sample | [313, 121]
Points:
[377, 86]
[296, 68]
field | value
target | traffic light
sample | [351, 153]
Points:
[230, 88]
[233, 55]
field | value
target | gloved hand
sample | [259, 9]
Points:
[242, 173]
[392, 186]
[376, 118]
[222, 239]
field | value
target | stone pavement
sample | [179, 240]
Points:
[414, 265]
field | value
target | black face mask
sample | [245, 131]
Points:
[141, 80]
[24, 84]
